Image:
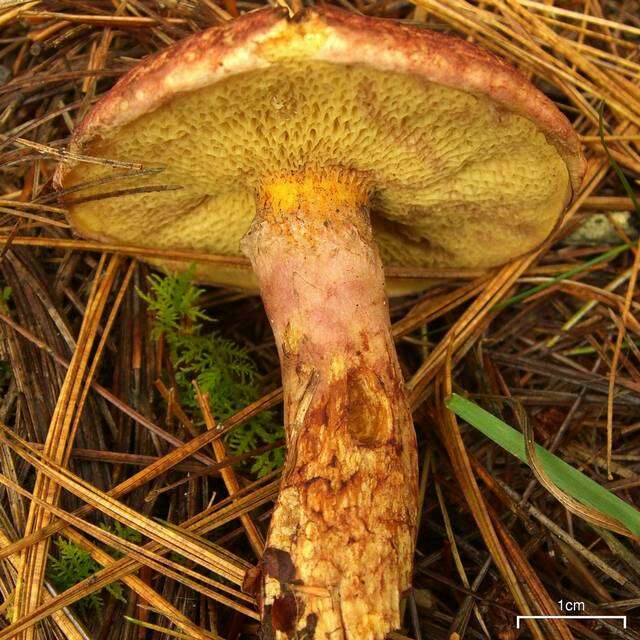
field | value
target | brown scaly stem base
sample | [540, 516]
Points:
[340, 546]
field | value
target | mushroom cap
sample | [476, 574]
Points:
[469, 165]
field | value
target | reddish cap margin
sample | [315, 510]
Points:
[345, 38]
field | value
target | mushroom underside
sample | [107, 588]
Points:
[456, 179]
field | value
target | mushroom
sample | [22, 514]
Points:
[323, 146]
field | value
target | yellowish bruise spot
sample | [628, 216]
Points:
[307, 550]
[322, 192]
[292, 337]
[338, 368]
[295, 40]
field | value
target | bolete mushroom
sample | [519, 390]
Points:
[323, 146]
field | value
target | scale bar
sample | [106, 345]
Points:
[623, 618]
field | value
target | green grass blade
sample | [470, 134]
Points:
[570, 480]
[612, 161]
[583, 266]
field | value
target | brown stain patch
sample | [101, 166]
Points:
[368, 411]
[251, 582]
[308, 632]
[284, 614]
[278, 565]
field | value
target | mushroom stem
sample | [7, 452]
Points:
[340, 545]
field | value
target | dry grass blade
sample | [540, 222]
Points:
[60, 437]
[35, 217]
[121, 569]
[167, 567]
[616, 354]
[109, 21]
[417, 273]
[63, 619]
[228, 475]
[576, 15]
[170, 538]
[450, 434]
[164, 630]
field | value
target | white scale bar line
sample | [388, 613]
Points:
[623, 618]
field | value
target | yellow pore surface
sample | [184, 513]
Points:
[456, 180]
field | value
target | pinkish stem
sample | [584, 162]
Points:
[340, 545]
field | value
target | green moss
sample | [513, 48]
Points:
[223, 369]
[5, 296]
[72, 564]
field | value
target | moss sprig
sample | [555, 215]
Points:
[222, 368]
[71, 564]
